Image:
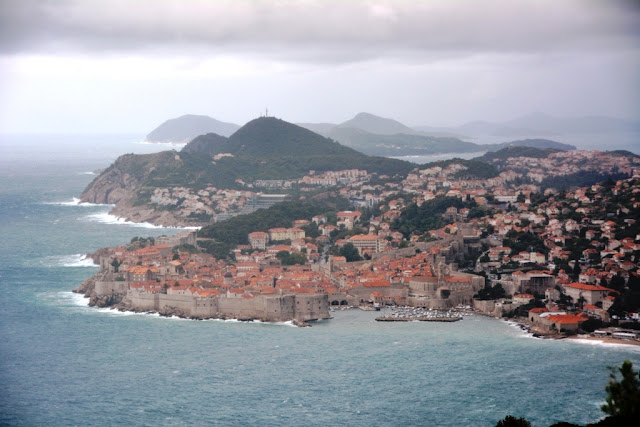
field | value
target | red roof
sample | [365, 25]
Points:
[566, 318]
[585, 287]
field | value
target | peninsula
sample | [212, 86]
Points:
[290, 228]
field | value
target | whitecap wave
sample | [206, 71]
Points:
[107, 218]
[77, 202]
[79, 300]
[86, 173]
[75, 299]
[115, 312]
[599, 343]
[77, 260]
[519, 327]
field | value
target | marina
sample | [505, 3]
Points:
[411, 314]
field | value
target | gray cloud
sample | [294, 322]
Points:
[318, 31]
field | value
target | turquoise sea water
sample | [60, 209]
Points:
[63, 363]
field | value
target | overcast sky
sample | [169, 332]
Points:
[119, 66]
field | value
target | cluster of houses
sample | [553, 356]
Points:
[313, 179]
[609, 253]
[392, 274]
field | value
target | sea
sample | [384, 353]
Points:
[64, 363]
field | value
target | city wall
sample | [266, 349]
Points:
[269, 308]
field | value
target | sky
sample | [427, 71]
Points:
[127, 66]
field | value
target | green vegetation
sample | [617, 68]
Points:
[265, 148]
[538, 143]
[511, 421]
[628, 300]
[116, 265]
[428, 216]
[623, 402]
[591, 324]
[623, 397]
[579, 179]
[184, 248]
[234, 231]
[491, 292]
[140, 242]
[521, 241]
[291, 258]
[350, 253]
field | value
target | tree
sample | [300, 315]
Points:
[116, 265]
[350, 253]
[491, 293]
[287, 258]
[511, 421]
[623, 397]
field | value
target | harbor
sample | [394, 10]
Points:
[412, 314]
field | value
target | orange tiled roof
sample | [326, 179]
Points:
[585, 287]
[566, 318]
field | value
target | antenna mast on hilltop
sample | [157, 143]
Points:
[266, 112]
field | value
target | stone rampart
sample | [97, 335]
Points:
[269, 308]
[110, 288]
[485, 306]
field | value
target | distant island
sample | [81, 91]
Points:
[366, 133]
[380, 136]
[184, 128]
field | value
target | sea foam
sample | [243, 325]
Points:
[76, 260]
[605, 344]
[107, 218]
[77, 202]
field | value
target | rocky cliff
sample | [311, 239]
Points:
[120, 181]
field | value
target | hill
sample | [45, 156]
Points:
[208, 144]
[185, 128]
[535, 143]
[320, 128]
[268, 137]
[270, 148]
[376, 125]
[265, 148]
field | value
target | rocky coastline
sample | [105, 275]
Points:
[537, 332]
[147, 214]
